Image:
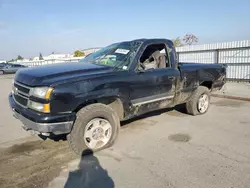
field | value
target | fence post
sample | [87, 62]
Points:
[178, 57]
[216, 56]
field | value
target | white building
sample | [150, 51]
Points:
[90, 50]
[56, 56]
[2, 61]
[23, 60]
[36, 58]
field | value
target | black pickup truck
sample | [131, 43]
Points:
[87, 100]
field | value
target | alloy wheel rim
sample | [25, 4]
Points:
[203, 103]
[97, 133]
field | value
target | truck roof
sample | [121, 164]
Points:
[152, 40]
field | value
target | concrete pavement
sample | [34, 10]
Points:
[10, 127]
[172, 149]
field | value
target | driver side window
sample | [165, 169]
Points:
[154, 57]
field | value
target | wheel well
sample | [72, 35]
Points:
[207, 84]
[113, 102]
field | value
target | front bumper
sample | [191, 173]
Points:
[42, 123]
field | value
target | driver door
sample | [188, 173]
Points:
[154, 88]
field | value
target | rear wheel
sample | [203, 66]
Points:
[1, 72]
[95, 128]
[199, 102]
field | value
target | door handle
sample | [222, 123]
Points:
[171, 78]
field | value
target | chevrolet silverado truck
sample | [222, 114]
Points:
[87, 100]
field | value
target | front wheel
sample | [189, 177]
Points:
[199, 102]
[1, 72]
[96, 127]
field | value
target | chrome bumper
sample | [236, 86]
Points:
[43, 128]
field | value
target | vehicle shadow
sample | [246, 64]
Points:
[89, 174]
[181, 109]
[55, 138]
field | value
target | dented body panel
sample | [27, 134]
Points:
[129, 92]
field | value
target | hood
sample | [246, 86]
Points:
[51, 74]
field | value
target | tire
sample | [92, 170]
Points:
[193, 106]
[85, 124]
[1, 72]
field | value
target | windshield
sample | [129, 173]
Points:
[118, 55]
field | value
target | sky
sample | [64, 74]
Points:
[28, 27]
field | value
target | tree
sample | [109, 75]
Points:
[177, 42]
[10, 60]
[40, 56]
[19, 57]
[78, 53]
[190, 39]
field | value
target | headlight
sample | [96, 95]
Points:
[45, 108]
[41, 92]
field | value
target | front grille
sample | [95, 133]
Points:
[22, 88]
[21, 94]
[20, 100]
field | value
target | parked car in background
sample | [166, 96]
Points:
[10, 68]
[2, 65]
